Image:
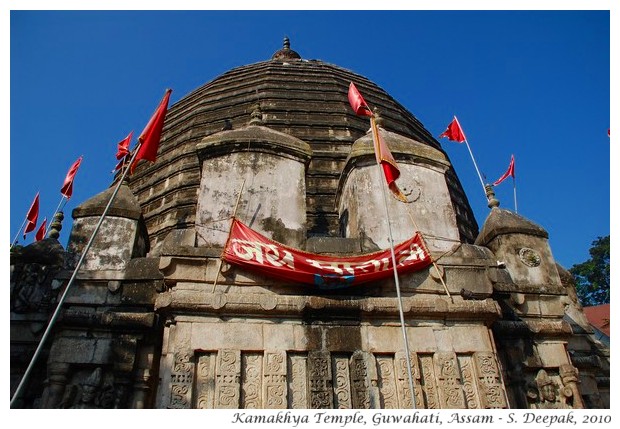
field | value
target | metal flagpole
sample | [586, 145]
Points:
[514, 189]
[48, 330]
[219, 268]
[18, 232]
[400, 301]
[472, 157]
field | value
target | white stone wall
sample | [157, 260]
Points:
[430, 208]
[273, 197]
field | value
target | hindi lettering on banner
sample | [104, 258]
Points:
[249, 249]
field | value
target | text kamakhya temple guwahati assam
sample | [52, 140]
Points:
[298, 305]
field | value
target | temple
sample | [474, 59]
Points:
[156, 318]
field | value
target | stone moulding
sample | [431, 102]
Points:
[532, 326]
[421, 307]
[255, 139]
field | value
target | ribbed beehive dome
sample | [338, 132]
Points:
[304, 98]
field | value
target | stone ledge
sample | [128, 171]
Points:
[419, 307]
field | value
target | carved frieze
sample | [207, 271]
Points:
[402, 377]
[181, 381]
[228, 379]
[342, 382]
[429, 384]
[387, 382]
[274, 379]
[364, 390]
[205, 380]
[251, 380]
[448, 380]
[320, 379]
[492, 393]
[297, 381]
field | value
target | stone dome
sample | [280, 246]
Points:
[304, 98]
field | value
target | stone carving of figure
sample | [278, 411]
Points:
[90, 387]
[547, 389]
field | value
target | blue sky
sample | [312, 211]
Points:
[535, 84]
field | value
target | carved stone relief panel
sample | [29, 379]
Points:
[364, 390]
[205, 381]
[470, 386]
[228, 379]
[342, 382]
[448, 380]
[274, 380]
[429, 385]
[387, 381]
[181, 380]
[402, 380]
[547, 391]
[297, 381]
[251, 380]
[320, 379]
[492, 394]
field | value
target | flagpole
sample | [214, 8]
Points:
[50, 324]
[514, 189]
[396, 281]
[472, 156]
[18, 232]
[234, 214]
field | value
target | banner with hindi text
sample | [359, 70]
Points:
[249, 249]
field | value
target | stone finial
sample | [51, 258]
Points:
[493, 202]
[256, 117]
[378, 117]
[56, 225]
[286, 53]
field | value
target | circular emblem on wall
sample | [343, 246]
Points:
[410, 188]
[529, 257]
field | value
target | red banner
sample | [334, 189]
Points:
[249, 249]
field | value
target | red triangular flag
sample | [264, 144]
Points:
[40, 235]
[151, 135]
[123, 147]
[32, 216]
[67, 186]
[454, 132]
[509, 172]
[385, 158]
[357, 102]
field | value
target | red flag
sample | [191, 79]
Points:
[123, 147]
[387, 162]
[32, 216]
[357, 102]
[40, 235]
[509, 172]
[454, 132]
[67, 186]
[151, 135]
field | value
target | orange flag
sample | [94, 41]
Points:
[385, 158]
[149, 139]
